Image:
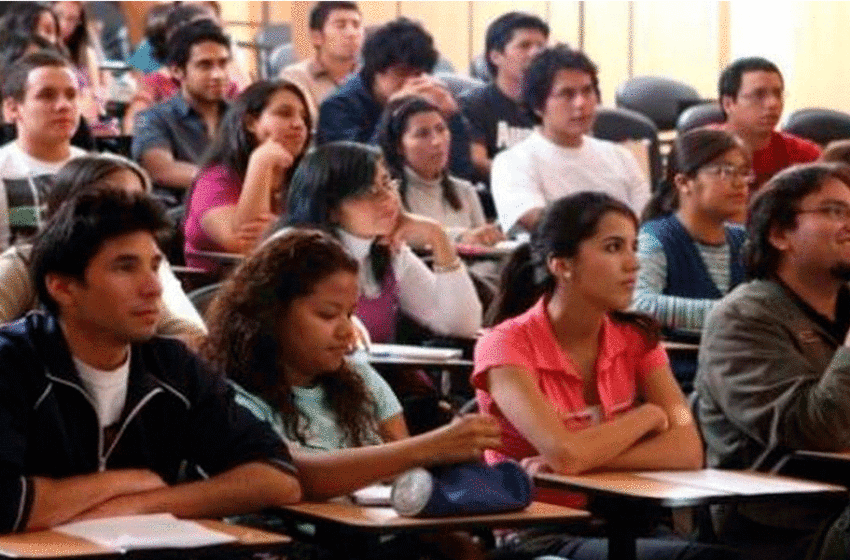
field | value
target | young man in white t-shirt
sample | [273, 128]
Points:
[561, 87]
[98, 417]
[40, 97]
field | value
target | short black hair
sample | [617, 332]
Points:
[15, 79]
[541, 73]
[501, 31]
[776, 205]
[321, 11]
[729, 83]
[75, 234]
[186, 36]
[398, 42]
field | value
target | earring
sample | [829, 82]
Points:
[568, 275]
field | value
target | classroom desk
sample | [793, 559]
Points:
[54, 545]
[354, 531]
[624, 499]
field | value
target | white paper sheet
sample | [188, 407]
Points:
[415, 352]
[375, 495]
[131, 532]
[736, 482]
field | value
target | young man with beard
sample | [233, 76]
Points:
[752, 95]
[774, 360]
[170, 137]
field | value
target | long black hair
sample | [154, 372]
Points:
[234, 143]
[327, 176]
[565, 224]
[392, 127]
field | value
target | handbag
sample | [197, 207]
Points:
[462, 489]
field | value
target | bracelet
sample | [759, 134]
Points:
[451, 267]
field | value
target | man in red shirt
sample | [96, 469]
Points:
[751, 93]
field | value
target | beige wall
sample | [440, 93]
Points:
[688, 41]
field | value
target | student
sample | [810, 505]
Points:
[415, 138]
[561, 87]
[497, 117]
[243, 182]
[281, 328]
[774, 367]
[41, 97]
[752, 94]
[99, 417]
[92, 173]
[576, 383]
[336, 31]
[345, 188]
[690, 256]
[78, 38]
[31, 18]
[170, 138]
[397, 57]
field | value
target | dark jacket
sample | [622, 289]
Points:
[179, 420]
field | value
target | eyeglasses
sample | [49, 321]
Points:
[833, 211]
[728, 172]
[762, 96]
[387, 187]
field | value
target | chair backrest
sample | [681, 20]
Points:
[618, 125]
[661, 99]
[459, 84]
[273, 35]
[818, 125]
[444, 66]
[478, 68]
[281, 57]
[699, 115]
[202, 297]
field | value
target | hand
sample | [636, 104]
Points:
[488, 235]
[431, 89]
[273, 155]
[534, 465]
[418, 231]
[658, 418]
[250, 233]
[464, 439]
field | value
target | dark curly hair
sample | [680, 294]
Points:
[243, 321]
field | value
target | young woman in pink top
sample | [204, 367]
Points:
[577, 383]
[242, 186]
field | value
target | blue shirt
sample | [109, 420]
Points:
[174, 125]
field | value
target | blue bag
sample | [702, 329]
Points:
[462, 489]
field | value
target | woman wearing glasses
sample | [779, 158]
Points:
[690, 255]
[345, 188]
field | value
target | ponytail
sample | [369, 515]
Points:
[522, 282]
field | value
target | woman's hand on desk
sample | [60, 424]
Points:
[249, 234]
[488, 235]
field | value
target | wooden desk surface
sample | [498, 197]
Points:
[691, 488]
[53, 544]
[382, 519]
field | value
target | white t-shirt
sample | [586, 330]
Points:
[24, 181]
[537, 171]
[108, 389]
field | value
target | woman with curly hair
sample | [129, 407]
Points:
[281, 328]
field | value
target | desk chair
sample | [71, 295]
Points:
[478, 68]
[661, 99]
[202, 297]
[821, 126]
[281, 57]
[617, 125]
[699, 115]
[459, 84]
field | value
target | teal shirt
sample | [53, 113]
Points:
[318, 422]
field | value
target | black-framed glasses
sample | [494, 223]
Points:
[834, 211]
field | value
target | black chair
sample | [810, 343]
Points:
[458, 84]
[267, 40]
[617, 124]
[661, 99]
[821, 126]
[202, 297]
[699, 115]
[478, 68]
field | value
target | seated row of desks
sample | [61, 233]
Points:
[622, 500]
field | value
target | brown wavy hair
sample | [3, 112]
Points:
[243, 322]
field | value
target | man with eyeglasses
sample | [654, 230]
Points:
[751, 93]
[774, 359]
[561, 88]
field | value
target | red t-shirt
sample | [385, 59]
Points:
[783, 150]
